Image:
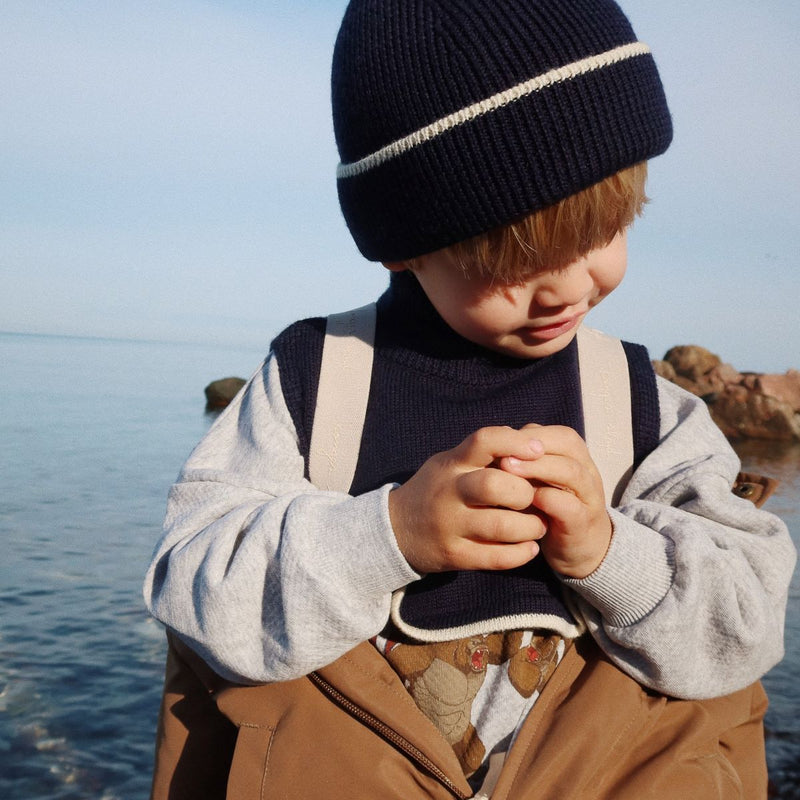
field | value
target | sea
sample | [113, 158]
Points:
[92, 434]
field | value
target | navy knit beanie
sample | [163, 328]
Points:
[453, 117]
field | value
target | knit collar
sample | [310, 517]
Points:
[411, 331]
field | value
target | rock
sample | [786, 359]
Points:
[714, 382]
[744, 405]
[723, 375]
[742, 414]
[726, 373]
[691, 361]
[785, 388]
[219, 393]
[699, 370]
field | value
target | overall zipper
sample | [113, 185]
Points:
[387, 733]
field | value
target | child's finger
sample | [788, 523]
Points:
[560, 440]
[494, 487]
[487, 445]
[497, 539]
[498, 556]
[562, 507]
[562, 472]
[578, 536]
[501, 526]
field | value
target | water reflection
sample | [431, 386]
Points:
[779, 460]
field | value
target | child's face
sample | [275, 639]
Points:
[531, 319]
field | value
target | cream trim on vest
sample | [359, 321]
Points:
[511, 622]
[344, 379]
[606, 396]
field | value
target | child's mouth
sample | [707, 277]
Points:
[547, 332]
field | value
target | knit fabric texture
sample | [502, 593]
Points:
[453, 117]
[430, 389]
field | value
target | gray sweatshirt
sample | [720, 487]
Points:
[269, 578]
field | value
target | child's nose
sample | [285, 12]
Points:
[563, 288]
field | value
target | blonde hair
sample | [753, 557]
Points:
[557, 235]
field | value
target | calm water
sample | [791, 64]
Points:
[93, 432]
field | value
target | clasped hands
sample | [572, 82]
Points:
[502, 497]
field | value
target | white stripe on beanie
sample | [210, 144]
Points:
[496, 101]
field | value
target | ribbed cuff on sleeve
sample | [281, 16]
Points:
[634, 577]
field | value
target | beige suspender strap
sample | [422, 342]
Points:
[606, 393]
[342, 395]
[343, 391]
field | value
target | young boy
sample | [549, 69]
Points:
[452, 604]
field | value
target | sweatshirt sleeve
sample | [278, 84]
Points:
[243, 525]
[690, 599]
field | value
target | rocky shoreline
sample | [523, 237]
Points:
[745, 405]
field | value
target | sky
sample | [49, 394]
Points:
[167, 171]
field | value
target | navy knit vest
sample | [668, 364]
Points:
[430, 389]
